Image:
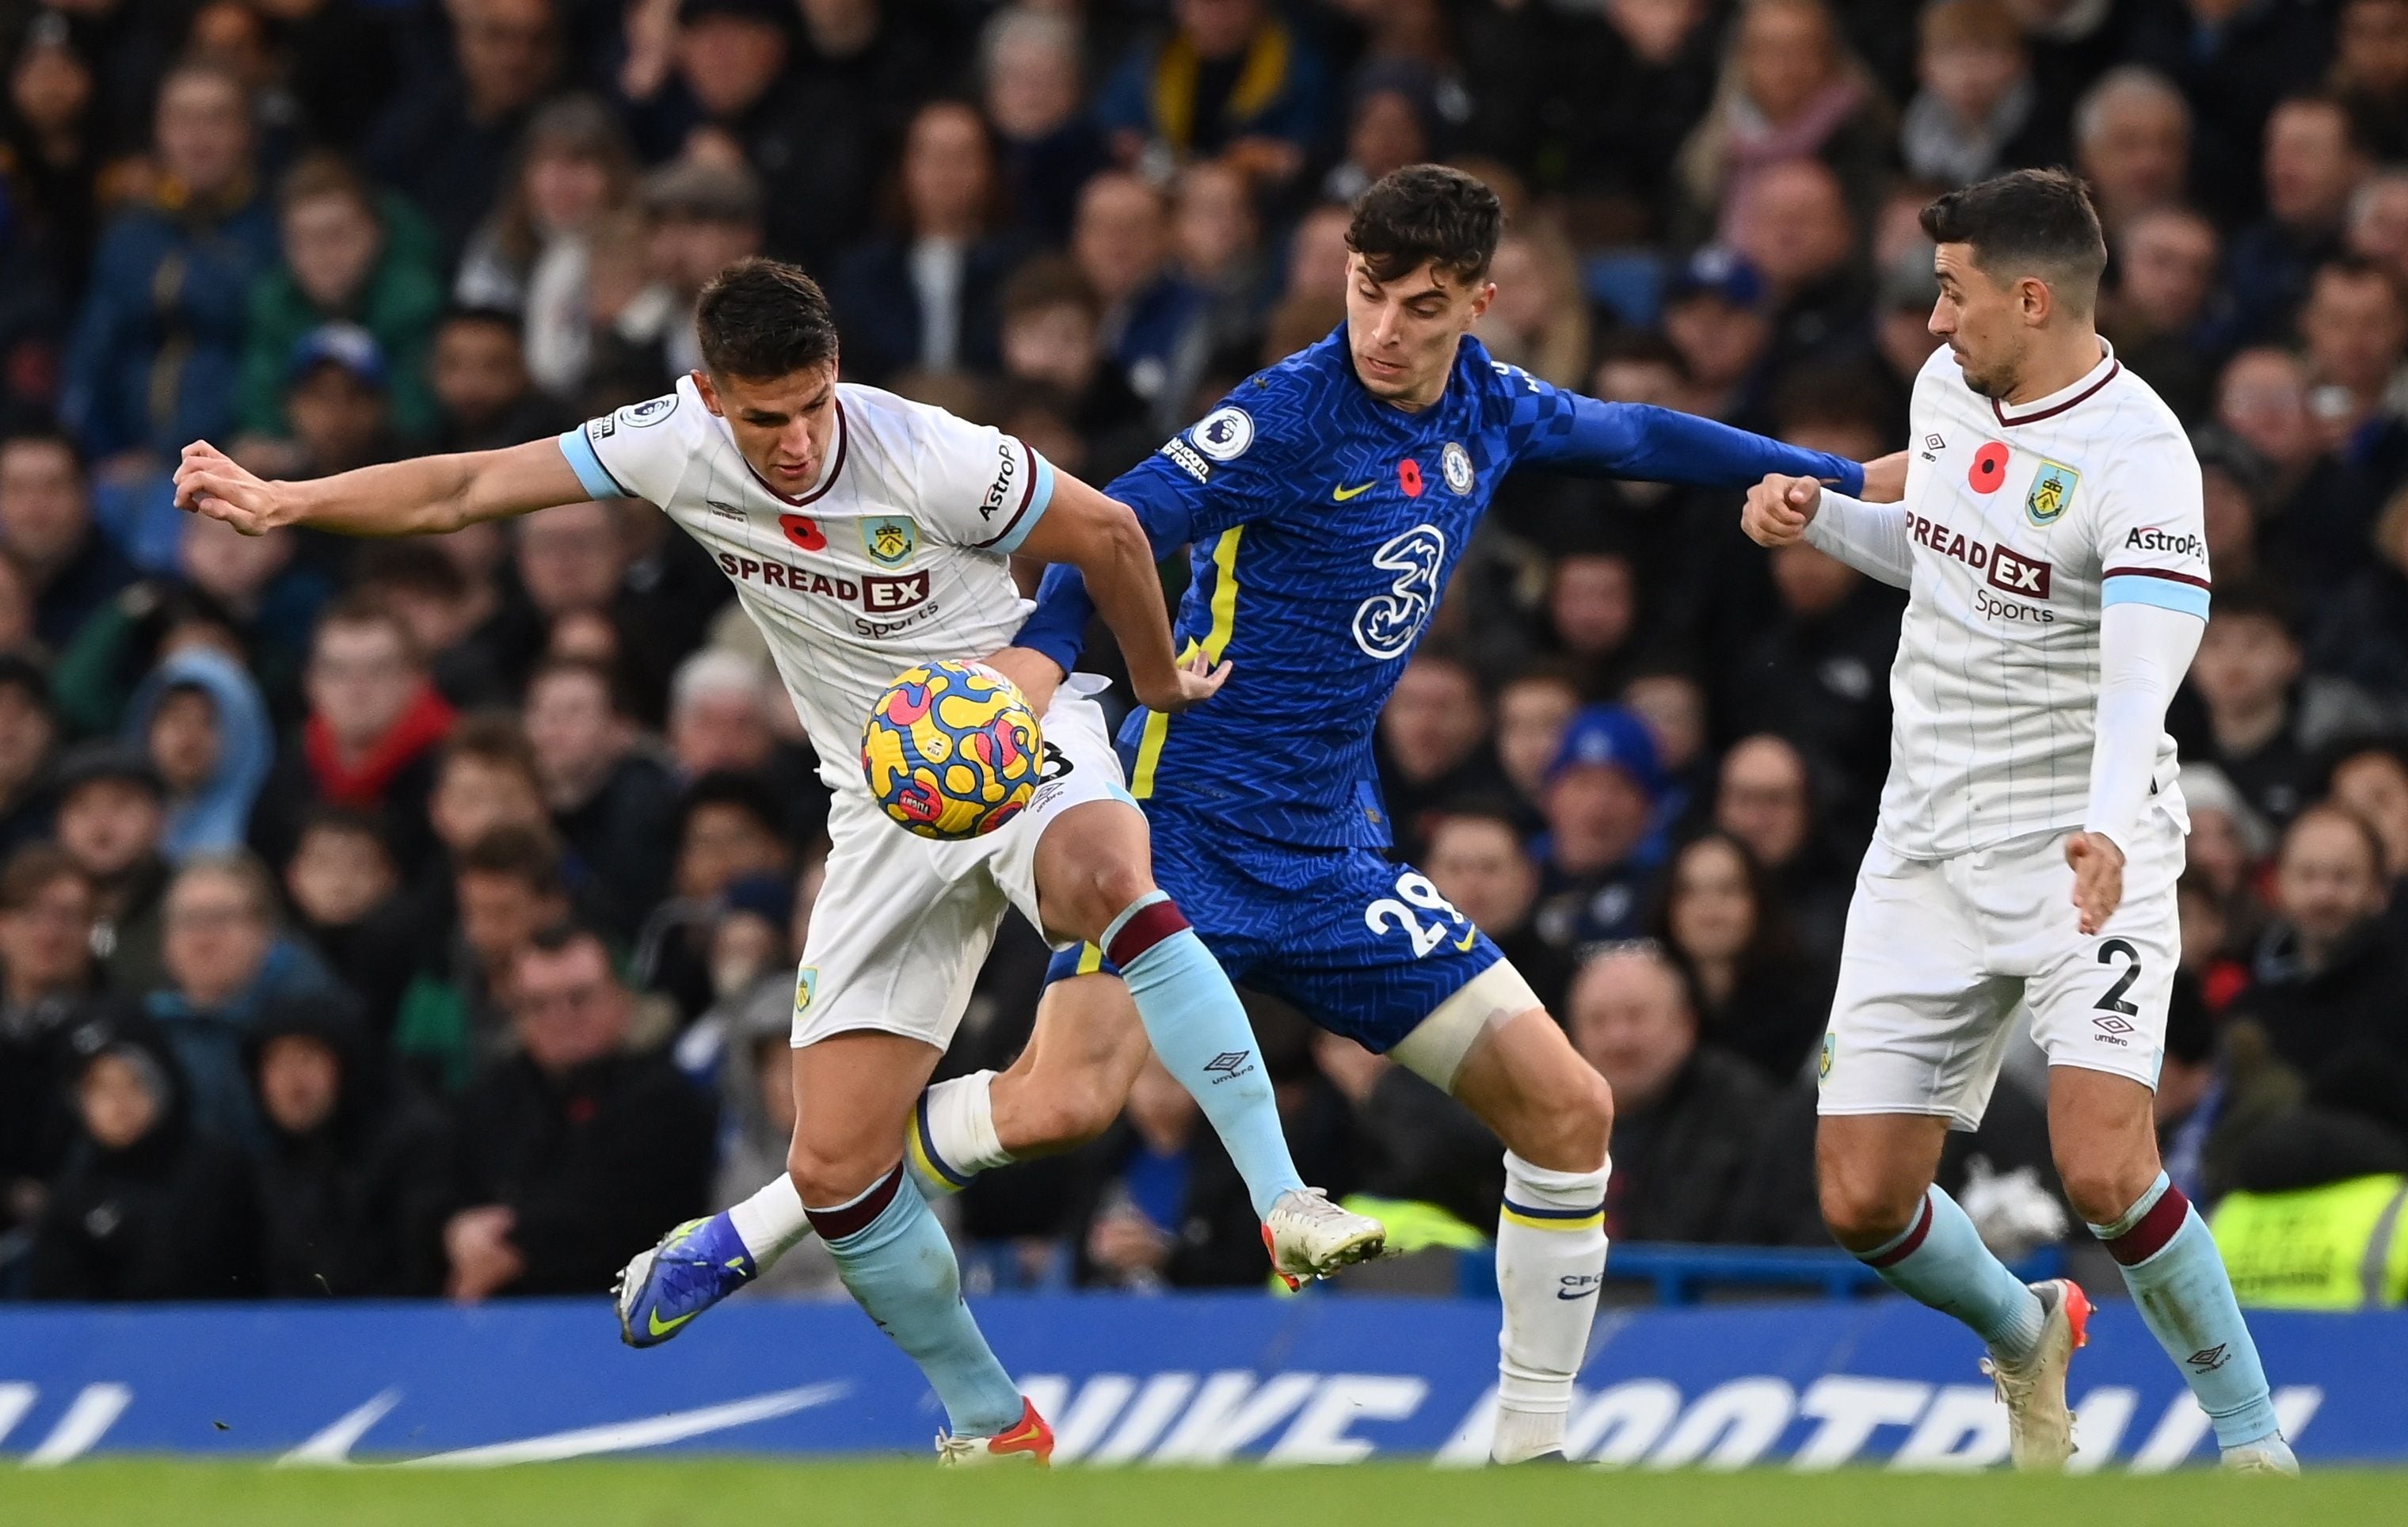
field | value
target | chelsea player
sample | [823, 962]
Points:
[1326, 500]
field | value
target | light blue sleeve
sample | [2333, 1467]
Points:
[2161, 591]
[1040, 498]
[592, 474]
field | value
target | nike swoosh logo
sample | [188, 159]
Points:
[1342, 495]
[662, 1328]
[1584, 1293]
[1469, 934]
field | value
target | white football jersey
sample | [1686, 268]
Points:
[900, 555]
[2021, 522]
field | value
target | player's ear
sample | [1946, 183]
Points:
[2036, 300]
[709, 394]
[1482, 298]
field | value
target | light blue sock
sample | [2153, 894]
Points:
[894, 1257]
[1198, 1027]
[1940, 1260]
[2178, 1281]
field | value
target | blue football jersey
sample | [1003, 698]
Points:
[1323, 524]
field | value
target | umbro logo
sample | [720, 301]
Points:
[1932, 447]
[1231, 1064]
[2112, 1023]
[2208, 1358]
[724, 510]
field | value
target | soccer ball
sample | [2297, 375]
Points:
[952, 751]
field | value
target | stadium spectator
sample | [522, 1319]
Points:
[1392, 117]
[2328, 986]
[1433, 744]
[1792, 222]
[1593, 616]
[1686, 1117]
[572, 1152]
[505, 886]
[46, 524]
[156, 356]
[1789, 89]
[226, 960]
[1539, 321]
[1475, 855]
[150, 1207]
[1152, 320]
[350, 256]
[1048, 143]
[1217, 233]
[2159, 315]
[345, 895]
[1818, 676]
[1600, 801]
[533, 254]
[2215, 1092]
[370, 742]
[29, 733]
[2312, 163]
[446, 142]
[48, 983]
[1159, 1204]
[351, 1177]
[337, 397]
[204, 725]
[1533, 707]
[2266, 721]
[111, 817]
[56, 139]
[476, 370]
[703, 216]
[2370, 72]
[1718, 316]
[1052, 336]
[2232, 64]
[1753, 994]
[926, 297]
[1231, 81]
[1978, 110]
[612, 801]
[2133, 144]
[1765, 799]
[2372, 780]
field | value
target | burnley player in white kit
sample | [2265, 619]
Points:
[865, 535]
[2052, 545]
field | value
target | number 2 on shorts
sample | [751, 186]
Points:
[1389, 914]
[2112, 1000]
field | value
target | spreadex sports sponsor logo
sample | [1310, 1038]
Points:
[878, 594]
[2002, 566]
[2150, 538]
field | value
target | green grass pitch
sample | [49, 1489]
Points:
[731, 1493]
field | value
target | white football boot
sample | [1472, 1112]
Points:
[2268, 1456]
[1309, 1236]
[2040, 1425]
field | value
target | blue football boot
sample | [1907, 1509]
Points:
[691, 1268]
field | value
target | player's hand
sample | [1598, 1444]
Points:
[1036, 675]
[2098, 877]
[209, 483]
[1886, 479]
[1194, 681]
[1779, 508]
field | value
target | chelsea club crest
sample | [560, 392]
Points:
[1454, 465]
[2052, 492]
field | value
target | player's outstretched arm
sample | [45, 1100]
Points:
[424, 496]
[1869, 537]
[1103, 539]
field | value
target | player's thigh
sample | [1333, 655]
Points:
[1524, 1080]
[1069, 1083]
[2100, 1000]
[1918, 1023]
[898, 935]
[1079, 854]
[854, 1094]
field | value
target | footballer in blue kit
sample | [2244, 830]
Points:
[1326, 500]
[1324, 521]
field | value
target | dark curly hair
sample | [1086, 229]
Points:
[761, 320]
[1425, 214]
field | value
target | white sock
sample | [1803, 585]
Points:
[952, 1136]
[771, 1221]
[1550, 1263]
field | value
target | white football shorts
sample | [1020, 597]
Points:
[1940, 951]
[902, 923]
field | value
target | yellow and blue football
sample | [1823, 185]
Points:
[952, 751]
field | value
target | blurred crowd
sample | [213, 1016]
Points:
[418, 918]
